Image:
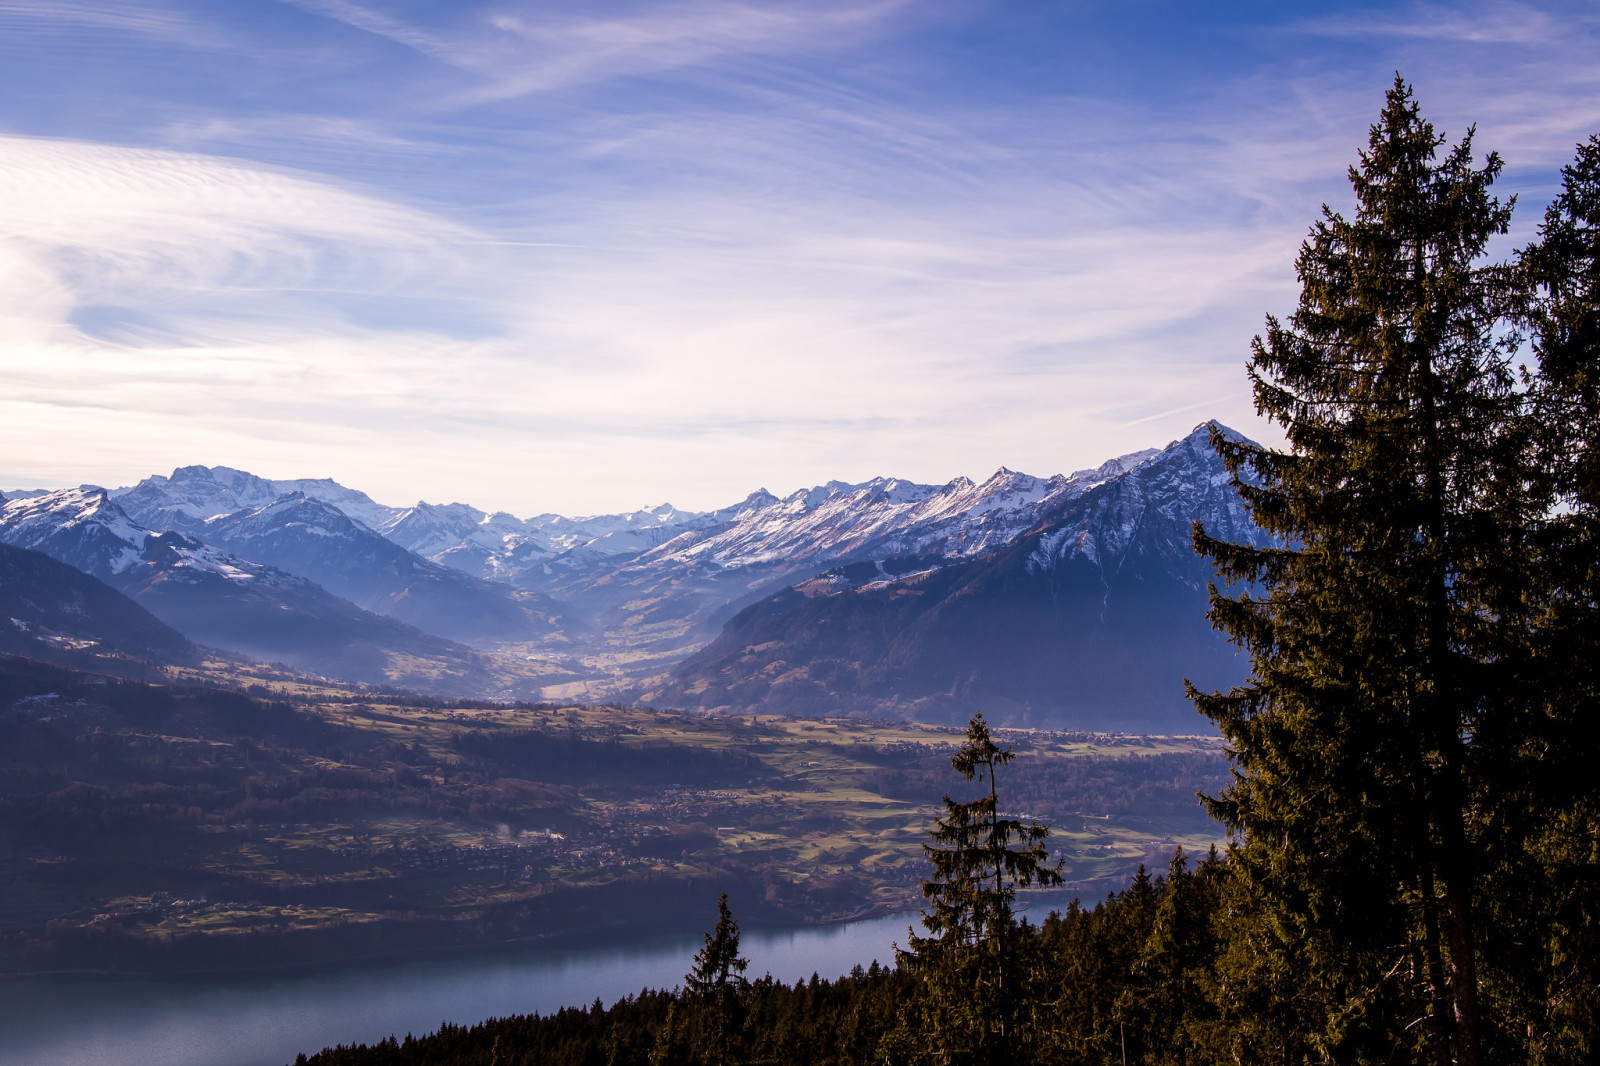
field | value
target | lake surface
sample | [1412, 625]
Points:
[266, 1021]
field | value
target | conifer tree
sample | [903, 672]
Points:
[1360, 781]
[971, 963]
[717, 976]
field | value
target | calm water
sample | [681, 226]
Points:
[266, 1021]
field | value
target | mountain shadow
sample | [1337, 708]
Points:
[57, 613]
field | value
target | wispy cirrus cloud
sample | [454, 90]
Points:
[1523, 73]
[1495, 23]
[141, 226]
[156, 22]
[524, 48]
[177, 289]
[579, 258]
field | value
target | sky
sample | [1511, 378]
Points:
[586, 256]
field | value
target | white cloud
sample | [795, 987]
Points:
[670, 340]
[1491, 23]
[791, 281]
[1524, 74]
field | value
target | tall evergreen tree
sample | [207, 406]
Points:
[971, 964]
[1360, 782]
[717, 977]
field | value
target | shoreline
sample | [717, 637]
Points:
[611, 934]
[635, 931]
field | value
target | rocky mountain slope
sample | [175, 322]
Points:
[1092, 618]
[314, 539]
[882, 594]
[239, 605]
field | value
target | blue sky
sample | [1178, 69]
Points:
[585, 256]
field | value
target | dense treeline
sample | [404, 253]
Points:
[1146, 966]
[814, 1021]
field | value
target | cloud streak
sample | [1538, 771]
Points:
[527, 48]
[157, 23]
[510, 275]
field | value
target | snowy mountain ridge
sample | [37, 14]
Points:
[1093, 611]
[823, 523]
[887, 517]
[193, 494]
[82, 527]
[611, 600]
[87, 529]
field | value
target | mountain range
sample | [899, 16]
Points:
[1094, 614]
[1071, 598]
[227, 602]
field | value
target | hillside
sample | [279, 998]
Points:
[185, 826]
[55, 612]
[1091, 620]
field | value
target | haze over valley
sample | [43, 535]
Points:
[1071, 601]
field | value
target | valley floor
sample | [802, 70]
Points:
[188, 827]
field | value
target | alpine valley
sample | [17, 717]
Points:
[1064, 602]
[249, 724]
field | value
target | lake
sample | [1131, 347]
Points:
[265, 1021]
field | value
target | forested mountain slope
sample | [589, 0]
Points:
[53, 611]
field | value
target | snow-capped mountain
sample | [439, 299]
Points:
[632, 594]
[671, 599]
[226, 602]
[656, 581]
[314, 539]
[80, 527]
[1150, 512]
[193, 494]
[430, 529]
[495, 545]
[503, 547]
[1092, 618]
[884, 518]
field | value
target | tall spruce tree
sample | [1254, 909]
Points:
[971, 965]
[1360, 781]
[716, 978]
